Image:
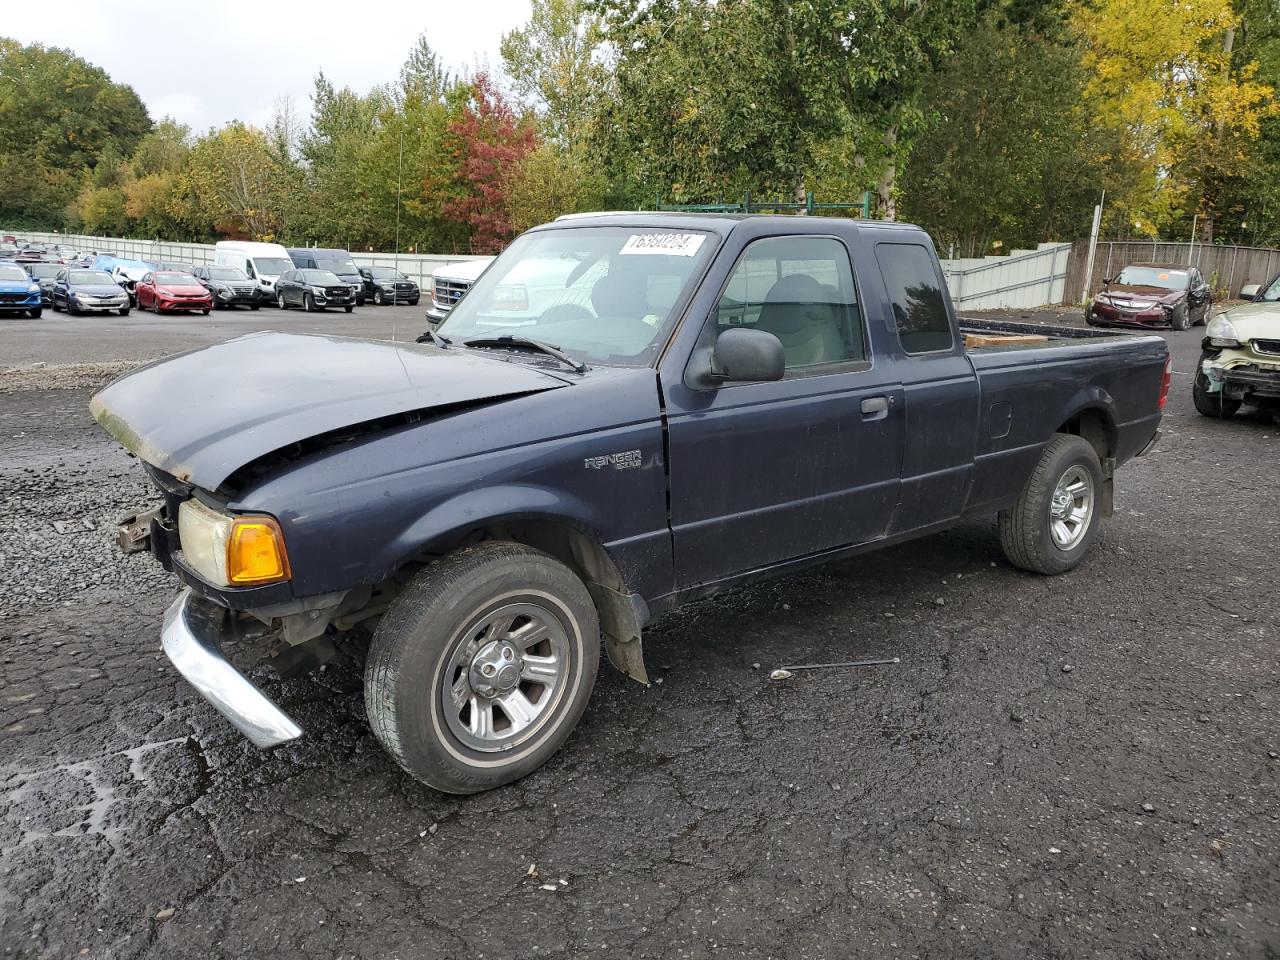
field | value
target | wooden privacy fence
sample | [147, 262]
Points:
[1226, 268]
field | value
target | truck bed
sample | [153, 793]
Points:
[1011, 335]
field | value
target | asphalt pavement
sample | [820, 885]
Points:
[1079, 766]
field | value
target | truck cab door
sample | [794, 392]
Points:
[940, 389]
[762, 473]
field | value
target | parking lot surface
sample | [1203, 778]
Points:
[1080, 766]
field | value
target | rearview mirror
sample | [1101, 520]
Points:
[1250, 291]
[747, 356]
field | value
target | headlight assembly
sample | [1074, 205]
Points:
[1221, 333]
[228, 550]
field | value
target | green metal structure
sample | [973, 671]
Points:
[809, 207]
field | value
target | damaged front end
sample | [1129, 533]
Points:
[213, 425]
[1241, 358]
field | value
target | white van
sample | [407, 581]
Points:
[263, 262]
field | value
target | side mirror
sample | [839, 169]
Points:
[747, 356]
[1250, 291]
[1106, 281]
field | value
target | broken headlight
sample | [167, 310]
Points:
[231, 551]
[1221, 333]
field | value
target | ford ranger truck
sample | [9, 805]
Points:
[693, 402]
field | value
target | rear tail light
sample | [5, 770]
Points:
[1165, 380]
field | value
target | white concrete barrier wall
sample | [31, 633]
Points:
[1024, 278]
[416, 265]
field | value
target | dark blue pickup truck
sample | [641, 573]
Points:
[624, 413]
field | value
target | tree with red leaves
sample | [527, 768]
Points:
[488, 141]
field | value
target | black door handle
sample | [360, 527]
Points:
[873, 408]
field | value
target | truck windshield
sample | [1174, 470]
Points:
[272, 266]
[338, 266]
[603, 294]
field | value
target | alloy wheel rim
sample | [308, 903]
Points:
[507, 671]
[1071, 507]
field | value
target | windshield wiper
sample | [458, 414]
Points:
[434, 338]
[506, 340]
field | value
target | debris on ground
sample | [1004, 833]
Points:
[826, 666]
[781, 675]
[165, 914]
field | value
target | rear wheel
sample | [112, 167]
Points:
[1052, 525]
[1211, 404]
[482, 666]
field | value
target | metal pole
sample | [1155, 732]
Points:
[1093, 246]
[399, 179]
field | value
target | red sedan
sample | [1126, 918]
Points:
[163, 291]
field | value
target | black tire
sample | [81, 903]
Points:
[205, 311]
[1026, 530]
[348, 308]
[56, 308]
[35, 314]
[254, 306]
[281, 302]
[378, 298]
[1212, 404]
[308, 305]
[1204, 314]
[429, 623]
[123, 311]
[413, 302]
[1181, 319]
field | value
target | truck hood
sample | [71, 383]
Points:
[1256, 321]
[202, 415]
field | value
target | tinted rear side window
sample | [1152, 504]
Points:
[915, 295]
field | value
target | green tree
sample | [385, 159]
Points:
[238, 182]
[58, 116]
[423, 74]
[556, 64]
[550, 181]
[1010, 152]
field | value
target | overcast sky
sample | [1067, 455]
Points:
[230, 59]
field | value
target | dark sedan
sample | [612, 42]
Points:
[229, 287]
[89, 291]
[386, 285]
[1152, 295]
[45, 274]
[313, 290]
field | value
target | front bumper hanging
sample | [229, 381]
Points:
[191, 639]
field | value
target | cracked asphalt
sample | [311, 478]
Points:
[1080, 766]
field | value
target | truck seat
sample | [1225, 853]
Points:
[796, 311]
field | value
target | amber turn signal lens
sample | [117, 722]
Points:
[255, 552]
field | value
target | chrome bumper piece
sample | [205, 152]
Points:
[190, 638]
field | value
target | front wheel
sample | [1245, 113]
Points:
[123, 311]
[482, 666]
[1054, 521]
[35, 314]
[348, 308]
[280, 302]
[308, 305]
[1181, 319]
[253, 306]
[1212, 404]
[378, 298]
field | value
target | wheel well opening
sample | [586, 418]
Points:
[1092, 426]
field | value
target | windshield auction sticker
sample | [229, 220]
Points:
[668, 244]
